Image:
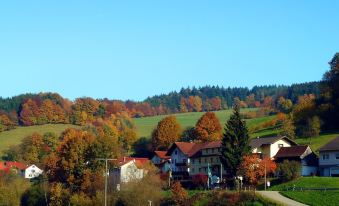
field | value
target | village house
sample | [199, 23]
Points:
[329, 159]
[161, 161]
[269, 146]
[21, 169]
[128, 169]
[302, 154]
[188, 158]
[32, 172]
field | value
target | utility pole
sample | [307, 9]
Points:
[106, 174]
[265, 177]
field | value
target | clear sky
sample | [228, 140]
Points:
[134, 49]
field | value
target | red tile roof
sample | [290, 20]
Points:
[140, 162]
[162, 154]
[294, 151]
[190, 148]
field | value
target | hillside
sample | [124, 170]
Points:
[13, 137]
[145, 125]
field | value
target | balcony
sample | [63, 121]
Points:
[181, 164]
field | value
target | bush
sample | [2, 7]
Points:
[200, 180]
[179, 194]
[289, 170]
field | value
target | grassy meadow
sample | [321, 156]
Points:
[13, 137]
[312, 197]
[145, 125]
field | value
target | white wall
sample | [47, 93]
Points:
[274, 148]
[32, 172]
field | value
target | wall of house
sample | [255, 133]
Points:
[129, 172]
[32, 172]
[274, 148]
[308, 170]
[156, 159]
[332, 160]
[178, 157]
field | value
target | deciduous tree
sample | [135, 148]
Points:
[167, 132]
[208, 128]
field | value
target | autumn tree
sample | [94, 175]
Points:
[29, 114]
[253, 168]
[84, 110]
[167, 132]
[284, 105]
[208, 128]
[288, 128]
[6, 123]
[235, 142]
[74, 157]
[179, 194]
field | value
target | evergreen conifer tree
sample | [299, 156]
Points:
[234, 143]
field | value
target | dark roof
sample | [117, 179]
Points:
[259, 141]
[294, 151]
[184, 147]
[331, 146]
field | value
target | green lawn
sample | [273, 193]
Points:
[317, 142]
[312, 197]
[145, 125]
[13, 137]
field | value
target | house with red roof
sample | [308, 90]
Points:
[21, 169]
[129, 169]
[161, 160]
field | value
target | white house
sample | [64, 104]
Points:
[129, 169]
[32, 172]
[329, 159]
[269, 146]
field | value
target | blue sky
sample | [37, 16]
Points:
[134, 49]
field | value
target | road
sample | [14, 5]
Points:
[277, 197]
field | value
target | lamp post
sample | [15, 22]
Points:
[106, 174]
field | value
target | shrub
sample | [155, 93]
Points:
[289, 170]
[179, 194]
[200, 180]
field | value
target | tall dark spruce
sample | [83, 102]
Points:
[235, 142]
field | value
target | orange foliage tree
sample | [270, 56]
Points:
[253, 168]
[179, 194]
[208, 128]
[167, 131]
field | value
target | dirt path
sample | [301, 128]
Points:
[277, 197]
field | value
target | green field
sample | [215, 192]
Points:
[312, 197]
[145, 125]
[13, 137]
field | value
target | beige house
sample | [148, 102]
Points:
[269, 146]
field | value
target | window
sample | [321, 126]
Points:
[193, 170]
[192, 161]
[326, 156]
[337, 156]
[176, 152]
[205, 160]
[280, 145]
[199, 169]
[199, 160]
[211, 159]
[184, 160]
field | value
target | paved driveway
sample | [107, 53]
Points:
[277, 197]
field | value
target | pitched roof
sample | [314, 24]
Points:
[190, 149]
[294, 151]
[162, 154]
[259, 141]
[17, 165]
[331, 146]
[138, 161]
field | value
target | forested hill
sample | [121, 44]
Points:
[173, 100]
[46, 108]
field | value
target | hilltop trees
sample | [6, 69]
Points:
[235, 142]
[167, 131]
[208, 128]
